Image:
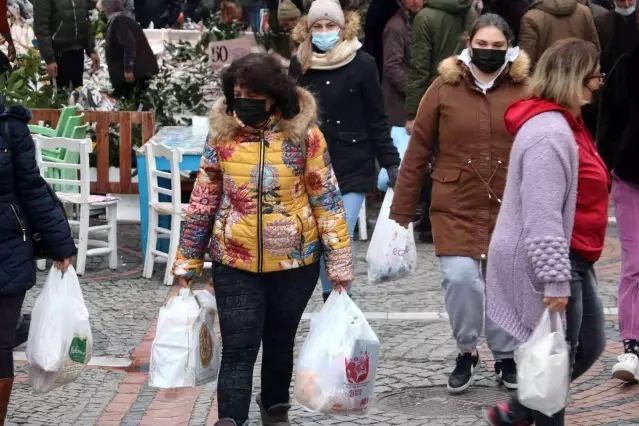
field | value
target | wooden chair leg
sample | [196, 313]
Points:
[83, 243]
[112, 220]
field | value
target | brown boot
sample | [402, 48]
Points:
[5, 394]
[274, 416]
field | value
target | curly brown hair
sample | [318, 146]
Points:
[261, 73]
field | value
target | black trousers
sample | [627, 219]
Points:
[258, 309]
[585, 333]
[10, 307]
[123, 89]
[70, 69]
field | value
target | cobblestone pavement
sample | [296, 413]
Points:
[416, 358]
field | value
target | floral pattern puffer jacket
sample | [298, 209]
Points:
[266, 200]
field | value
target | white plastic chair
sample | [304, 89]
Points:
[84, 200]
[174, 208]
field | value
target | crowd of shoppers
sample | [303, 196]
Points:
[503, 100]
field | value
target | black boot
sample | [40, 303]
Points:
[22, 330]
[276, 415]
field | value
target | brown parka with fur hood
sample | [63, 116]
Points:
[466, 126]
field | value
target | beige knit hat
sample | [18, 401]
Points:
[288, 11]
[326, 9]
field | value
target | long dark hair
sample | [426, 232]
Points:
[261, 73]
[492, 20]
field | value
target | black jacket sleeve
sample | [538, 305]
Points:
[377, 121]
[43, 216]
[42, 30]
[127, 41]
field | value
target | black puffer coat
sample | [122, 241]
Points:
[63, 25]
[26, 207]
[352, 115]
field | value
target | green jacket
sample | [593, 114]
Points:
[437, 34]
[63, 25]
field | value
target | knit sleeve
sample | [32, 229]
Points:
[545, 184]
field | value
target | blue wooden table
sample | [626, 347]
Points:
[192, 147]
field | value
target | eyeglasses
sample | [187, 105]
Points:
[600, 77]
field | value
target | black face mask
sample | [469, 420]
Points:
[251, 112]
[488, 60]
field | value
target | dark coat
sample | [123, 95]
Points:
[163, 13]
[127, 50]
[618, 127]
[378, 14]
[352, 119]
[397, 37]
[26, 207]
[511, 10]
[617, 35]
[63, 25]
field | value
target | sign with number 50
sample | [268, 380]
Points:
[223, 52]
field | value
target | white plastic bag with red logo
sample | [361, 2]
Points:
[338, 363]
[392, 253]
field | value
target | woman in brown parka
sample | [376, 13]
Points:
[462, 117]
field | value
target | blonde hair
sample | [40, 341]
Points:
[305, 53]
[562, 70]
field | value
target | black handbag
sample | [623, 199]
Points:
[39, 251]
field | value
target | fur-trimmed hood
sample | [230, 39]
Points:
[352, 27]
[452, 69]
[223, 126]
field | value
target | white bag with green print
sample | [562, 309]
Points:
[60, 338]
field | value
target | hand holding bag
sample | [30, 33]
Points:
[543, 367]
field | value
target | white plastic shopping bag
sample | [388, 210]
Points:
[543, 367]
[338, 362]
[186, 351]
[60, 338]
[392, 253]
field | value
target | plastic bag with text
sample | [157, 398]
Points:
[392, 253]
[543, 367]
[338, 362]
[60, 338]
[186, 352]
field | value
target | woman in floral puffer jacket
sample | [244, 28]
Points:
[266, 200]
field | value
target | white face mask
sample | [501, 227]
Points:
[626, 11]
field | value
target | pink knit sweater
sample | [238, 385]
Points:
[528, 257]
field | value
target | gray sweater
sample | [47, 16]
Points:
[528, 257]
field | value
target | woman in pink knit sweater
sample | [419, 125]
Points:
[552, 223]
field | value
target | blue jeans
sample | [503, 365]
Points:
[352, 204]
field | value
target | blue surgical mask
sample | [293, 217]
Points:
[626, 11]
[325, 41]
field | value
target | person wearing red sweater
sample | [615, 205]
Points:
[5, 31]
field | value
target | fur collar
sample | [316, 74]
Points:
[451, 70]
[351, 27]
[223, 126]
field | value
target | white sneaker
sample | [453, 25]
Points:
[627, 369]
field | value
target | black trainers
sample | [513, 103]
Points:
[462, 376]
[506, 369]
